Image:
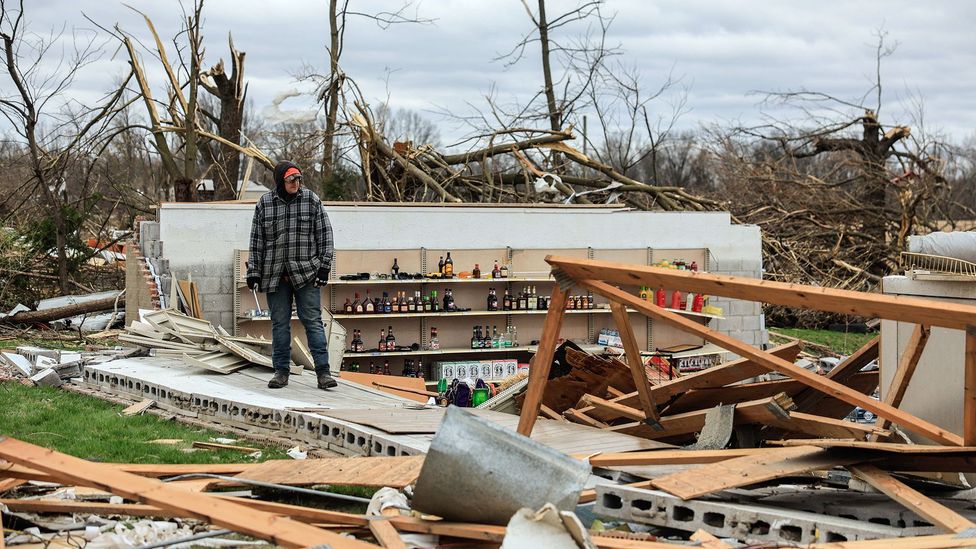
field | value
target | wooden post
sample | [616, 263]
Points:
[634, 361]
[969, 388]
[906, 368]
[808, 378]
[541, 362]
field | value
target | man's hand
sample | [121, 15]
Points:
[322, 277]
[253, 282]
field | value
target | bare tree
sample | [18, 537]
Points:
[61, 141]
[231, 91]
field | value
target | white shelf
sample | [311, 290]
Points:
[454, 351]
[391, 316]
[381, 281]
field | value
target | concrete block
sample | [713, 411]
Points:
[751, 323]
[740, 308]
[735, 520]
[148, 230]
[47, 378]
[19, 362]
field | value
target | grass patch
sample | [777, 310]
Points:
[843, 343]
[92, 429]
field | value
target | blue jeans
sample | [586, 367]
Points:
[308, 301]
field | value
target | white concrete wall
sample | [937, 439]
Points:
[200, 239]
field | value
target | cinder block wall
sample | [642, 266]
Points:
[200, 240]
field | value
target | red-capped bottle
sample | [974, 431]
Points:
[660, 297]
[698, 304]
[676, 299]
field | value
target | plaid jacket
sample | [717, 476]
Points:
[293, 238]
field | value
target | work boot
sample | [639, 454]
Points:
[326, 381]
[279, 380]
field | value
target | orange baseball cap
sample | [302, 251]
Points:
[290, 172]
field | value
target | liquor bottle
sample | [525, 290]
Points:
[395, 270]
[449, 305]
[386, 367]
[372, 367]
[584, 302]
[368, 306]
[535, 298]
[492, 300]
[507, 301]
[378, 304]
[476, 272]
[449, 266]
[660, 297]
[676, 299]
[698, 304]
[513, 341]
[435, 304]
[352, 345]
[475, 340]
[589, 296]
[435, 343]
[694, 266]
[411, 305]
[407, 368]
[643, 293]
[495, 339]
[579, 302]
[390, 339]
[486, 340]
[404, 305]
[357, 305]
[382, 343]
[395, 303]
[387, 304]
[690, 301]
[419, 370]
[523, 300]
[504, 271]
[347, 307]
[440, 266]
[496, 272]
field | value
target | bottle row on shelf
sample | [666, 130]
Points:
[423, 302]
[410, 368]
[480, 339]
[445, 270]
[688, 302]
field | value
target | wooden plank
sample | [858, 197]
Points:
[906, 369]
[634, 361]
[799, 424]
[709, 541]
[550, 413]
[8, 484]
[899, 417]
[969, 389]
[671, 457]
[716, 376]
[542, 361]
[578, 416]
[384, 531]
[154, 470]
[139, 407]
[751, 469]
[870, 305]
[864, 382]
[233, 516]
[887, 447]
[808, 400]
[412, 383]
[616, 409]
[218, 446]
[914, 501]
[396, 472]
[758, 411]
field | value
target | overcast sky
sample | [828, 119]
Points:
[721, 51]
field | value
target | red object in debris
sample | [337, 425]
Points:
[659, 298]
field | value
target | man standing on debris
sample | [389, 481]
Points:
[290, 259]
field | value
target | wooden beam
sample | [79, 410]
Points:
[542, 361]
[384, 531]
[750, 469]
[906, 309]
[777, 364]
[634, 361]
[906, 369]
[808, 400]
[276, 529]
[671, 457]
[716, 376]
[757, 411]
[578, 416]
[614, 408]
[914, 501]
[969, 389]
[550, 413]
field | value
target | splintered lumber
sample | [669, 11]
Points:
[139, 407]
[384, 531]
[914, 501]
[222, 513]
[542, 361]
[864, 382]
[898, 417]
[758, 411]
[634, 361]
[395, 472]
[870, 305]
[906, 369]
[716, 376]
[588, 374]
[809, 400]
[218, 446]
[750, 469]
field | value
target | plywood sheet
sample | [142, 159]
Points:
[395, 472]
[412, 383]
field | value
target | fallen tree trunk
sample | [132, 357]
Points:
[50, 315]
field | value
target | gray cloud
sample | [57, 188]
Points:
[722, 50]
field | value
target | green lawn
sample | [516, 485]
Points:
[839, 342]
[92, 429]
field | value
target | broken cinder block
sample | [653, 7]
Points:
[18, 361]
[48, 378]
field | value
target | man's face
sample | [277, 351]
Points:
[293, 183]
